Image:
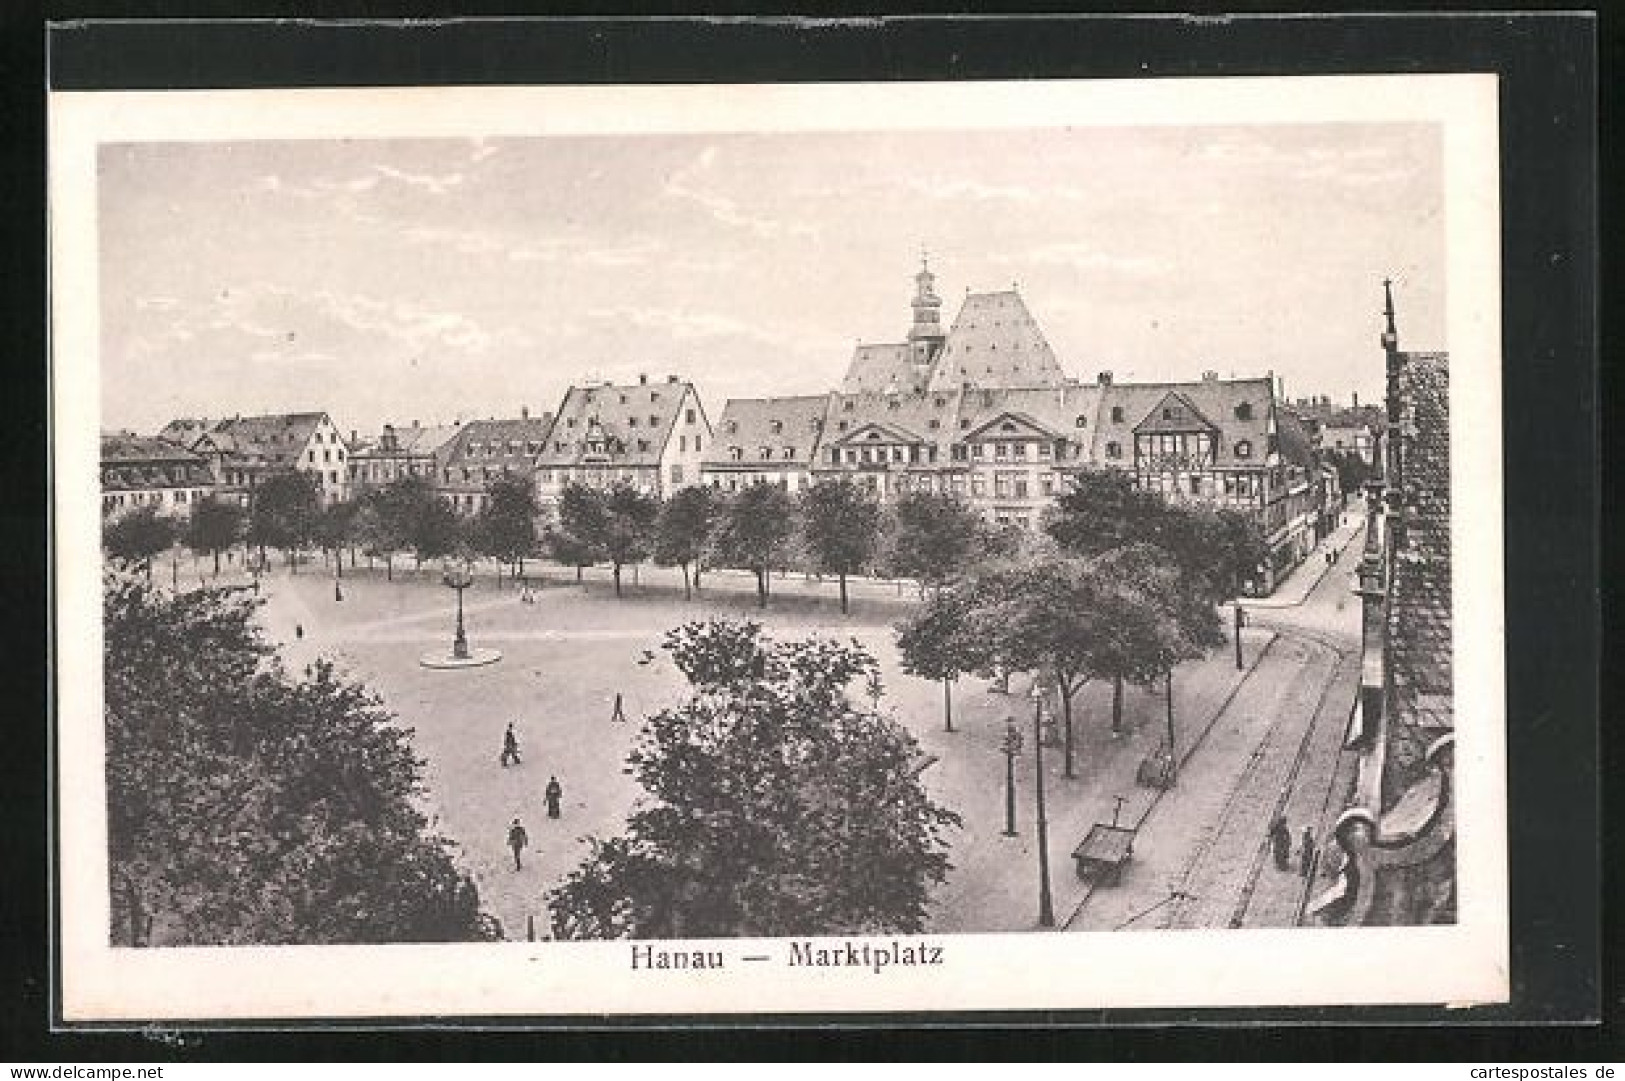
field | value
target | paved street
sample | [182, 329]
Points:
[1201, 856]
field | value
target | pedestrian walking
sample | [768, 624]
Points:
[299, 631]
[338, 592]
[1306, 853]
[618, 716]
[517, 840]
[554, 795]
[1281, 843]
[510, 747]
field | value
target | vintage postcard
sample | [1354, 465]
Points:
[555, 552]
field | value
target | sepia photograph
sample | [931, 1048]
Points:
[718, 549]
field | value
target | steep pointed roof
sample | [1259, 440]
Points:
[995, 342]
[886, 367]
[636, 418]
[1243, 410]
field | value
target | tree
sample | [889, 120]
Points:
[776, 804]
[214, 526]
[436, 532]
[507, 531]
[939, 641]
[1352, 470]
[683, 529]
[1101, 510]
[932, 538]
[284, 511]
[628, 527]
[754, 533]
[137, 535]
[1044, 616]
[247, 807]
[377, 531]
[334, 528]
[576, 537]
[840, 528]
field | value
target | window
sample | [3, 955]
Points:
[958, 454]
[623, 399]
[1167, 414]
[643, 444]
[958, 485]
[934, 423]
[696, 442]
[1046, 483]
[1244, 411]
[767, 454]
[631, 422]
[736, 453]
[1000, 450]
[846, 407]
[1001, 486]
[654, 421]
[1117, 414]
[978, 486]
[569, 422]
[1244, 449]
[1196, 485]
[842, 425]
[327, 456]
[1019, 450]
[311, 456]
[776, 426]
[688, 416]
[1114, 450]
[976, 450]
[545, 476]
[1081, 422]
[332, 476]
[733, 427]
[1044, 450]
[682, 442]
[1021, 487]
[677, 474]
[964, 422]
[789, 453]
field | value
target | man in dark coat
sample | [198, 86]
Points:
[554, 795]
[517, 840]
[1306, 854]
[510, 747]
[1281, 843]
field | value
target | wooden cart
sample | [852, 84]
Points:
[1105, 849]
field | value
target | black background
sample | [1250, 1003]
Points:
[1548, 64]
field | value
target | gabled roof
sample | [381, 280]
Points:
[1056, 408]
[415, 439]
[1012, 424]
[496, 444]
[878, 432]
[928, 416]
[122, 448]
[273, 439]
[792, 424]
[995, 342]
[1222, 401]
[882, 368]
[1174, 413]
[184, 431]
[637, 419]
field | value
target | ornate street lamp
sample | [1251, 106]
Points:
[459, 579]
[1046, 903]
[1011, 746]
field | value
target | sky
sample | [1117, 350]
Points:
[444, 279]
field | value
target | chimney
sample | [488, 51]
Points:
[355, 437]
[414, 424]
[643, 379]
[671, 379]
[1356, 399]
[1104, 379]
[1210, 377]
[524, 412]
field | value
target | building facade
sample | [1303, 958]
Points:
[483, 450]
[650, 435]
[1395, 842]
[246, 449]
[765, 439]
[409, 451]
[145, 471]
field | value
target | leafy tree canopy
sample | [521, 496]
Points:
[215, 525]
[508, 522]
[249, 807]
[576, 537]
[284, 509]
[137, 535]
[754, 532]
[932, 537]
[776, 804]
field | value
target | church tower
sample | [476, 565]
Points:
[925, 336]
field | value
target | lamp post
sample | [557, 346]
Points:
[1173, 756]
[1011, 746]
[1241, 621]
[459, 579]
[1046, 904]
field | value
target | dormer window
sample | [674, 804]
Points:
[1244, 449]
[1081, 422]
[643, 444]
[1117, 415]
[733, 426]
[777, 426]
[842, 425]
[1114, 450]
[789, 453]
[736, 453]
[631, 422]
[767, 454]
[654, 422]
[846, 407]
[934, 423]
[1244, 411]
[1167, 414]
[964, 422]
[569, 422]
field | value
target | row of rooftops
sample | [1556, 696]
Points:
[795, 429]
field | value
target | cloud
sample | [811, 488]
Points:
[686, 183]
[437, 185]
[1086, 258]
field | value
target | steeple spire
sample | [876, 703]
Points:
[1390, 333]
[927, 326]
